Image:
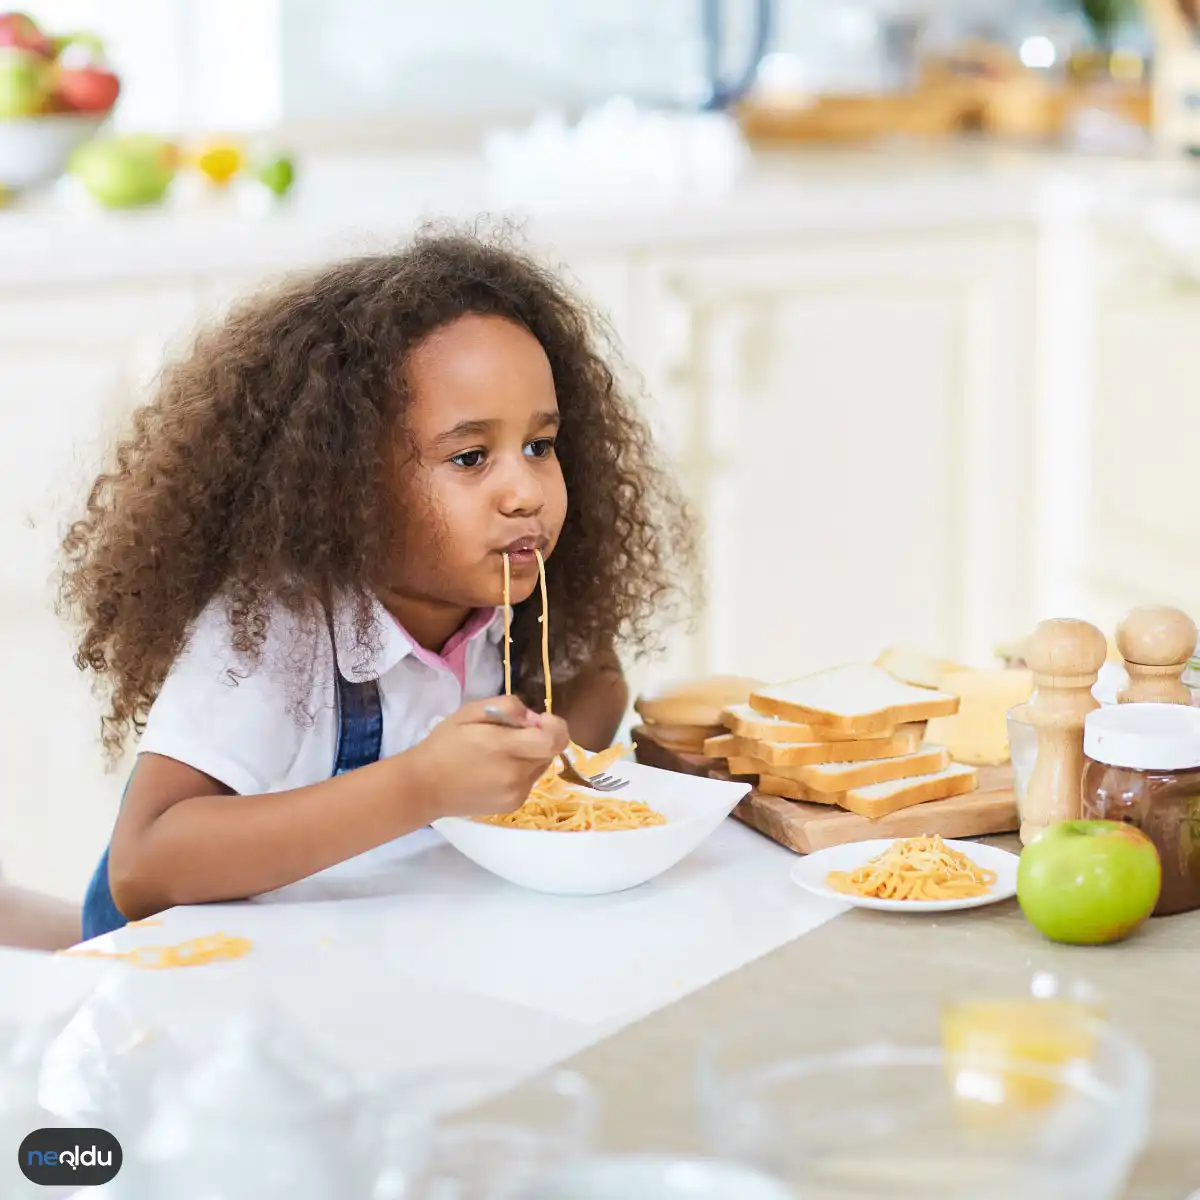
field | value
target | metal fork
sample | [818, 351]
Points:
[596, 783]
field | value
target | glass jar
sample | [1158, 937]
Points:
[1143, 768]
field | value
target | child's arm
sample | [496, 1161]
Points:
[594, 703]
[184, 838]
[31, 921]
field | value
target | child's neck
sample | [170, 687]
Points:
[430, 624]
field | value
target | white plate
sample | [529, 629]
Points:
[810, 873]
[594, 863]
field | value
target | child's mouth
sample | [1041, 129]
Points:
[523, 553]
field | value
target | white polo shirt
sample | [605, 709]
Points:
[275, 728]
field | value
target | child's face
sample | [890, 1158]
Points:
[483, 416]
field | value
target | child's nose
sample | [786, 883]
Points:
[521, 490]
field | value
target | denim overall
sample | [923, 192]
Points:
[360, 737]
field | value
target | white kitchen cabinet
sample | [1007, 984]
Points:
[71, 361]
[1143, 542]
[855, 420]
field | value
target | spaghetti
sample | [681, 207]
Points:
[917, 868]
[213, 947]
[552, 803]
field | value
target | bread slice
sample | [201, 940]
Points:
[906, 740]
[859, 698]
[879, 799]
[914, 666]
[697, 702]
[745, 722]
[830, 778]
[689, 739]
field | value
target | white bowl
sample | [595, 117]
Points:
[36, 149]
[597, 862]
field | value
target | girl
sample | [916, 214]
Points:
[287, 582]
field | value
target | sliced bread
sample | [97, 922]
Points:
[689, 739]
[745, 722]
[860, 698]
[831, 778]
[697, 702]
[879, 799]
[906, 740]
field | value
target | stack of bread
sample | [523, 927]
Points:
[871, 738]
[681, 718]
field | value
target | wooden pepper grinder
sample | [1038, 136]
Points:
[1156, 643]
[1065, 658]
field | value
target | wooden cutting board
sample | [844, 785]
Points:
[992, 808]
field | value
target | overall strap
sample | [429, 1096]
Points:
[359, 716]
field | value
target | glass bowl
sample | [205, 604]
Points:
[1022, 746]
[897, 1114]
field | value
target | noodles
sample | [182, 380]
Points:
[552, 803]
[213, 947]
[545, 629]
[557, 806]
[917, 868]
[507, 626]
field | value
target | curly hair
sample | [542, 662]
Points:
[261, 473]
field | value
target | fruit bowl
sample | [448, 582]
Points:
[36, 150]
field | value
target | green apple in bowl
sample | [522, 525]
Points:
[125, 172]
[26, 82]
[1087, 883]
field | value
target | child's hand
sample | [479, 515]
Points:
[473, 767]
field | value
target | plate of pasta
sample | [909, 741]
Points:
[913, 875]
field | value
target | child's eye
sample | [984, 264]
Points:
[540, 448]
[469, 458]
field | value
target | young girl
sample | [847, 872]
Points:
[288, 580]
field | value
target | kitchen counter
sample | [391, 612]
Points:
[351, 203]
[441, 967]
[866, 973]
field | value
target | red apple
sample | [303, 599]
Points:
[19, 30]
[1089, 882]
[86, 89]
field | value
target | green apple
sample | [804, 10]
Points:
[276, 173]
[1087, 883]
[26, 80]
[125, 172]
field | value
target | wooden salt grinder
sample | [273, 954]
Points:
[1065, 658]
[1156, 643]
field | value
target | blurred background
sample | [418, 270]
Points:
[910, 288]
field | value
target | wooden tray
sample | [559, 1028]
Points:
[807, 827]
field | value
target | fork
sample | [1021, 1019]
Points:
[596, 783]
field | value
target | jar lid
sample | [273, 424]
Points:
[1144, 737]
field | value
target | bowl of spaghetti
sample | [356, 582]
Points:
[571, 842]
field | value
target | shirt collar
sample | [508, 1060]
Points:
[394, 644]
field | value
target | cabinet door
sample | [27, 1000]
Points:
[855, 420]
[70, 365]
[1144, 543]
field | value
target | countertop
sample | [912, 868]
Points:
[360, 202]
[870, 973]
[439, 966]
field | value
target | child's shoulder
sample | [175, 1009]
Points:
[230, 642]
